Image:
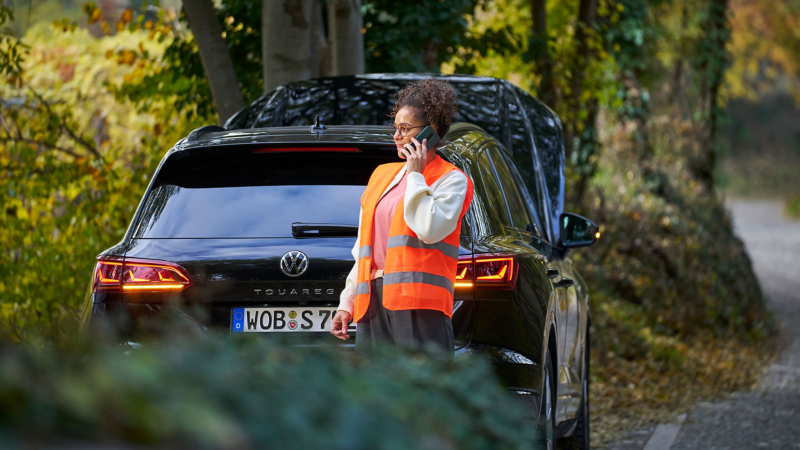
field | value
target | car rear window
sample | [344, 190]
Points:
[256, 196]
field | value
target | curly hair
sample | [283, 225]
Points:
[435, 99]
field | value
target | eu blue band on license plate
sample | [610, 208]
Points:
[283, 319]
[238, 320]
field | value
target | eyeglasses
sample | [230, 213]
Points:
[403, 127]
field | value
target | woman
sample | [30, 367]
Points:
[400, 289]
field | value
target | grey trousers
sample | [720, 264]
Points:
[415, 328]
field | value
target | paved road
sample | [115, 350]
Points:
[768, 417]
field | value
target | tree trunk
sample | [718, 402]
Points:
[347, 43]
[322, 50]
[546, 91]
[288, 47]
[718, 34]
[215, 57]
[586, 18]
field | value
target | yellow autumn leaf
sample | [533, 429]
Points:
[96, 15]
[127, 57]
[126, 16]
[72, 192]
[109, 54]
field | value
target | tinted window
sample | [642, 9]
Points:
[519, 143]
[256, 196]
[549, 140]
[492, 190]
[245, 211]
[526, 197]
[509, 183]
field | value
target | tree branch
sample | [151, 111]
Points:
[43, 144]
[63, 126]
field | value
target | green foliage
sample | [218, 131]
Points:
[793, 206]
[12, 51]
[73, 163]
[178, 73]
[218, 392]
[428, 34]
[403, 36]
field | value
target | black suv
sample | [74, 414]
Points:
[249, 227]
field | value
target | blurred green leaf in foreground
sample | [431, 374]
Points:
[213, 392]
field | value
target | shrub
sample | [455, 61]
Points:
[214, 392]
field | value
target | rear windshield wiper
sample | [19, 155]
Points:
[300, 229]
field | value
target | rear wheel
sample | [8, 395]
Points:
[580, 437]
[547, 410]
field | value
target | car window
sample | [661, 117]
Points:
[526, 160]
[549, 141]
[492, 190]
[518, 208]
[245, 211]
[257, 197]
[526, 197]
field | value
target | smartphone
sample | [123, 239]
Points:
[429, 134]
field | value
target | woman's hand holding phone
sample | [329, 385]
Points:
[416, 155]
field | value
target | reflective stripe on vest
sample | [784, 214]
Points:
[416, 275]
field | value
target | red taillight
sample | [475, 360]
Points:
[305, 149]
[486, 271]
[107, 276]
[139, 276]
[464, 272]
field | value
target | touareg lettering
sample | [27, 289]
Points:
[330, 291]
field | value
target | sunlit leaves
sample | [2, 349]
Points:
[765, 48]
[127, 16]
[74, 162]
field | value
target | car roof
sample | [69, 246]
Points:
[335, 134]
[372, 135]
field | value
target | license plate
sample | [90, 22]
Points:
[284, 319]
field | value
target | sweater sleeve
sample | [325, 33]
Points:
[433, 212]
[347, 298]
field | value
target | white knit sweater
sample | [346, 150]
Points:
[430, 211]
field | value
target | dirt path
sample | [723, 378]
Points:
[768, 417]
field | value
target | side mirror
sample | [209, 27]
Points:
[577, 231]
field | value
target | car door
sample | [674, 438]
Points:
[524, 218]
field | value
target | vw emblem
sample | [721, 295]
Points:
[294, 263]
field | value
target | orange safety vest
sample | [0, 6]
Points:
[416, 275]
